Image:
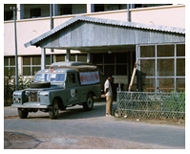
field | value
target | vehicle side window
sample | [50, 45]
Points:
[71, 78]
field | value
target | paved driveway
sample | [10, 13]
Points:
[76, 129]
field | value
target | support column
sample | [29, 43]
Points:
[128, 13]
[156, 72]
[43, 58]
[88, 57]
[55, 10]
[67, 56]
[19, 65]
[175, 67]
[90, 8]
[139, 86]
[51, 27]
[20, 12]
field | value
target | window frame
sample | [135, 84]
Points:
[156, 58]
[9, 66]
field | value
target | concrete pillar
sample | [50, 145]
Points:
[43, 58]
[19, 65]
[67, 56]
[90, 8]
[88, 57]
[20, 12]
[55, 10]
[54, 58]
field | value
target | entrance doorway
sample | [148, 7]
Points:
[119, 65]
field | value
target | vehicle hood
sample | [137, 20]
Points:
[53, 87]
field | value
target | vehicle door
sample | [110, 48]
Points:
[72, 89]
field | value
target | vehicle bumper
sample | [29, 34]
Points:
[34, 105]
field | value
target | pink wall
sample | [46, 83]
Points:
[29, 29]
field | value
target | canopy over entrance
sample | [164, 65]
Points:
[94, 34]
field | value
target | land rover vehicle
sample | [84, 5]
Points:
[63, 84]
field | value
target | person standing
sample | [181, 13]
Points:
[109, 95]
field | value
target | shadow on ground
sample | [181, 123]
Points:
[76, 112]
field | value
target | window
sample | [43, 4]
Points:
[97, 58]
[121, 58]
[109, 69]
[180, 85]
[8, 15]
[149, 5]
[148, 84]
[9, 66]
[71, 78]
[115, 6]
[109, 58]
[8, 12]
[165, 50]
[165, 84]
[47, 60]
[180, 67]
[167, 67]
[32, 64]
[147, 67]
[98, 7]
[147, 51]
[60, 58]
[115, 63]
[121, 69]
[78, 58]
[35, 12]
[82, 58]
[65, 9]
[180, 49]
[72, 58]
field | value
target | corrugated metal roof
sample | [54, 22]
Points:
[109, 22]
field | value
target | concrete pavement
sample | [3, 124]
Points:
[78, 125]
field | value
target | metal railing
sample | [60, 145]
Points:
[151, 104]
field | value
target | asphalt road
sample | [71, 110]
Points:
[77, 129]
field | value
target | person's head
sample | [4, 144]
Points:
[109, 77]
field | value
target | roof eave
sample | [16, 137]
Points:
[104, 21]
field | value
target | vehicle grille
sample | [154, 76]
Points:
[33, 96]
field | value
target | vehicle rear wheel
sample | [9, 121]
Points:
[88, 105]
[22, 113]
[54, 111]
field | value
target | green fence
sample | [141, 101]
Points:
[151, 105]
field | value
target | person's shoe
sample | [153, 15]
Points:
[108, 115]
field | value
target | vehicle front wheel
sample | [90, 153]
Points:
[88, 105]
[54, 111]
[22, 113]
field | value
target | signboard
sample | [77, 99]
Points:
[89, 77]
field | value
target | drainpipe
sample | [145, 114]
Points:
[51, 27]
[128, 13]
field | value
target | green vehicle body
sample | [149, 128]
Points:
[63, 85]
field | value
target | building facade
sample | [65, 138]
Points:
[162, 65]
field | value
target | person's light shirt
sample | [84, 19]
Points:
[108, 85]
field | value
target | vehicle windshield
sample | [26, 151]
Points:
[50, 77]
